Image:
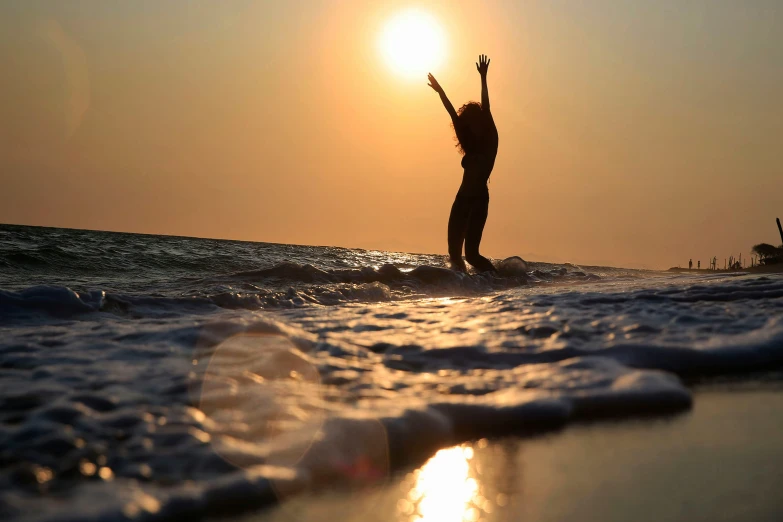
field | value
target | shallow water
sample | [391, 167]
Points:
[156, 377]
[719, 462]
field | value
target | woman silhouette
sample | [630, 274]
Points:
[477, 140]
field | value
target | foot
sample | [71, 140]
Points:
[459, 266]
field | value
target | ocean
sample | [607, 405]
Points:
[158, 378]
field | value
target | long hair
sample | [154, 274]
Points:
[467, 141]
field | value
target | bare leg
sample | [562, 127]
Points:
[458, 222]
[476, 221]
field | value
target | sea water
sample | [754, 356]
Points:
[154, 378]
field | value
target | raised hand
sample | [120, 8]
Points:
[445, 99]
[482, 66]
[434, 84]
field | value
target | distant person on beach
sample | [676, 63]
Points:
[690, 264]
[698, 264]
[477, 141]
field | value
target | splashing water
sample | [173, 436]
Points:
[156, 377]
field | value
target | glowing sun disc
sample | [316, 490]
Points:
[412, 43]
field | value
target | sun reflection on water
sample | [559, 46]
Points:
[443, 490]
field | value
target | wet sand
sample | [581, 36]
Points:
[721, 461]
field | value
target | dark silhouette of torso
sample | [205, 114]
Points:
[478, 164]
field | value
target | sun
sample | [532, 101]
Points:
[412, 43]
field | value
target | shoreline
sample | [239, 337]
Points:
[759, 269]
[717, 461]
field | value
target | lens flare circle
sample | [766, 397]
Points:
[263, 404]
[413, 43]
[264, 400]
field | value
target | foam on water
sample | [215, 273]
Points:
[157, 392]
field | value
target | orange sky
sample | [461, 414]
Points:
[632, 133]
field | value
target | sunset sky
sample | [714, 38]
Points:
[632, 133]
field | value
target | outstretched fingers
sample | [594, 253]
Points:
[483, 64]
[433, 82]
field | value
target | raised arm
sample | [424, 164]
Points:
[483, 66]
[445, 99]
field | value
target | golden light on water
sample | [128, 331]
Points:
[413, 43]
[444, 489]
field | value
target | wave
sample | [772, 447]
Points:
[429, 280]
[170, 383]
[296, 422]
[38, 256]
[311, 286]
[193, 412]
[57, 301]
[290, 272]
[85, 259]
[303, 421]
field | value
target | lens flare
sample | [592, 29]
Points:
[264, 405]
[264, 399]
